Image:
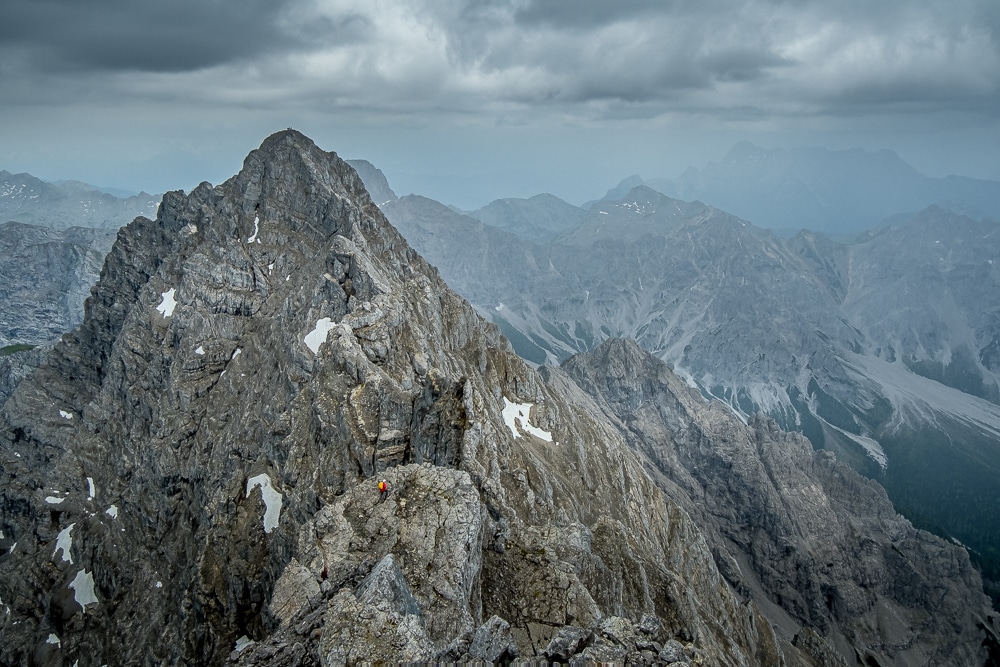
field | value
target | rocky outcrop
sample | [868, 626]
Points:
[819, 547]
[16, 364]
[375, 182]
[190, 477]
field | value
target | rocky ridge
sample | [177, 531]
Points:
[814, 543]
[208, 440]
[189, 476]
[883, 350]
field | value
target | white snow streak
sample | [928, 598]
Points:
[83, 588]
[166, 306]
[256, 228]
[317, 336]
[237, 352]
[91, 489]
[271, 497]
[519, 415]
[64, 543]
[53, 500]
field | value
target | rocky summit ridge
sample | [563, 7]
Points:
[189, 476]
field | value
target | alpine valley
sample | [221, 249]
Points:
[190, 475]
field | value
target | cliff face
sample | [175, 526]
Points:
[190, 476]
[45, 276]
[814, 543]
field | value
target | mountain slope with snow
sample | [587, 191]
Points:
[884, 350]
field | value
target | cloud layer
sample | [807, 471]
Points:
[587, 60]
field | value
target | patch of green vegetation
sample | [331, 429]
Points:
[809, 425]
[938, 480]
[522, 344]
[831, 409]
[585, 332]
[556, 332]
[8, 350]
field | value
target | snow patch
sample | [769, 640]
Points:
[166, 306]
[91, 489]
[518, 415]
[271, 497]
[317, 336]
[603, 212]
[54, 500]
[65, 415]
[159, 584]
[200, 351]
[237, 352]
[870, 445]
[112, 511]
[256, 229]
[83, 588]
[64, 543]
[53, 639]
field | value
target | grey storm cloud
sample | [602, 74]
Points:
[573, 56]
[158, 36]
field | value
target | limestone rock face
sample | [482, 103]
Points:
[190, 477]
[815, 544]
[45, 276]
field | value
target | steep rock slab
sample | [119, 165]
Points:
[817, 545]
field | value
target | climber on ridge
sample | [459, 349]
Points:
[383, 490]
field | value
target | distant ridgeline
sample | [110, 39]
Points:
[885, 349]
[53, 239]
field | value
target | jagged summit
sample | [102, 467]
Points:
[194, 462]
[190, 476]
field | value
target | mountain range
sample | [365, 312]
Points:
[53, 240]
[189, 477]
[883, 350]
[837, 192]
[26, 199]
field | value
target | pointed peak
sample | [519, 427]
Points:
[287, 137]
[288, 161]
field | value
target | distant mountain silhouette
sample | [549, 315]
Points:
[821, 189]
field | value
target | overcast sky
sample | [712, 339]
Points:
[471, 101]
